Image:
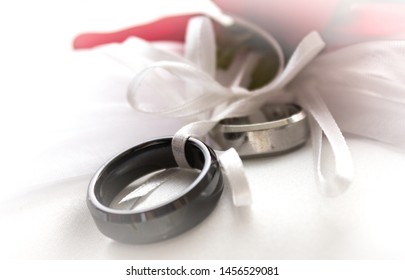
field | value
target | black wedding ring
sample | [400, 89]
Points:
[169, 218]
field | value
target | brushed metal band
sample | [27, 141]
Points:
[163, 221]
[274, 129]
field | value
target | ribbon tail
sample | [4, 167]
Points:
[322, 120]
[232, 167]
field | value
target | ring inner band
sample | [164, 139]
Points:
[136, 163]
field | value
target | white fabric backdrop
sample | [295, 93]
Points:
[64, 113]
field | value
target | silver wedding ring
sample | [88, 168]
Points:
[274, 129]
[169, 218]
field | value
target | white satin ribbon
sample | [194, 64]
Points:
[211, 101]
[323, 122]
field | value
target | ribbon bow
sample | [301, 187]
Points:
[178, 86]
[189, 85]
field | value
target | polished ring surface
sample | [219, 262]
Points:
[274, 129]
[163, 221]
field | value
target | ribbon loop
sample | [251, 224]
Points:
[200, 45]
[183, 101]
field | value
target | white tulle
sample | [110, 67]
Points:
[363, 86]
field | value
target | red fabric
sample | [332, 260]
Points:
[170, 28]
[288, 20]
